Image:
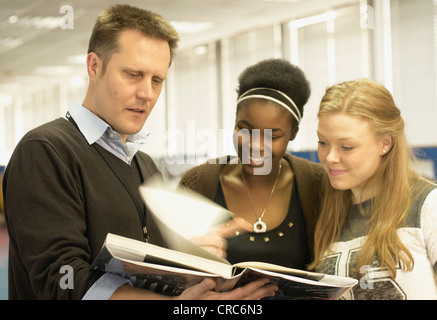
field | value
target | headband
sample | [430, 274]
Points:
[275, 96]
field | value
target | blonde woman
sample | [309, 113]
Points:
[379, 217]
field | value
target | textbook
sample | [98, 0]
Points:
[182, 214]
[170, 272]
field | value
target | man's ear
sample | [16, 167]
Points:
[93, 63]
[293, 133]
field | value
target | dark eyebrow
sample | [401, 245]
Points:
[247, 123]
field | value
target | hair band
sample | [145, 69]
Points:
[273, 95]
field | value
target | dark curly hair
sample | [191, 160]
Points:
[278, 74]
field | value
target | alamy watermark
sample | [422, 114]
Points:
[67, 280]
[67, 20]
[195, 147]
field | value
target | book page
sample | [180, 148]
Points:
[134, 250]
[182, 212]
[279, 269]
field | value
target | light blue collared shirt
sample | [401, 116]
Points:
[95, 130]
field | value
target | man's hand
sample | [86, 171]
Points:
[255, 290]
[202, 291]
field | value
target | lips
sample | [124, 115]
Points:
[257, 160]
[253, 160]
[336, 172]
[139, 113]
[138, 110]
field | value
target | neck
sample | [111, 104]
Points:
[360, 195]
[88, 103]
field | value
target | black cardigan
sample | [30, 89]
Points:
[61, 199]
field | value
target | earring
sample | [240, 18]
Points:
[383, 151]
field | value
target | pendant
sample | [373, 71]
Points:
[259, 226]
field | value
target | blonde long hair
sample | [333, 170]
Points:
[372, 102]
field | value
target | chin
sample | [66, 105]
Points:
[337, 185]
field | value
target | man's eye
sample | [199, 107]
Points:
[347, 148]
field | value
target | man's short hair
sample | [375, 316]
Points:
[113, 20]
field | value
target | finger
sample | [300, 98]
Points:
[268, 290]
[214, 244]
[254, 290]
[232, 228]
[215, 251]
[198, 291]
[210, 240]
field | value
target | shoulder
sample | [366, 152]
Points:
[147, 165]
[58, 136]
[424, 203]
[204, 178]
[145, 158]
[305, 168]
[429, 206]
[424, 192]
[52, 131]
[301, 162]
[428, 225]
[211, 168]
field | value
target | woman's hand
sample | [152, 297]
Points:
[215, 241]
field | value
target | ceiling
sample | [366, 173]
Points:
[39, 41]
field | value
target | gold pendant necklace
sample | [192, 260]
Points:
[260, 226]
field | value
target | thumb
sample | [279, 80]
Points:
[198, 291]
[206, 285]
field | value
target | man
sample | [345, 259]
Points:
[71, 181]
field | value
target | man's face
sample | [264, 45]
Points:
[125, 94]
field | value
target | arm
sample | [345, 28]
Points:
[46, 223]
[429, 226]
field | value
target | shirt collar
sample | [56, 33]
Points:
[93, 127]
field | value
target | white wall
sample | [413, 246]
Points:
[394, 44]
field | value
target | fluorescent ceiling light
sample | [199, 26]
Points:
[77, 59]
[13, 19]
[77, 82]
[201, 50]
[38, 22]
[10, 42]
[53, 70]
[189, 27]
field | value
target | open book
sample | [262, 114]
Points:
[170, 272]
[180, 216]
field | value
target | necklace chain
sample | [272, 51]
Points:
[260, 226]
